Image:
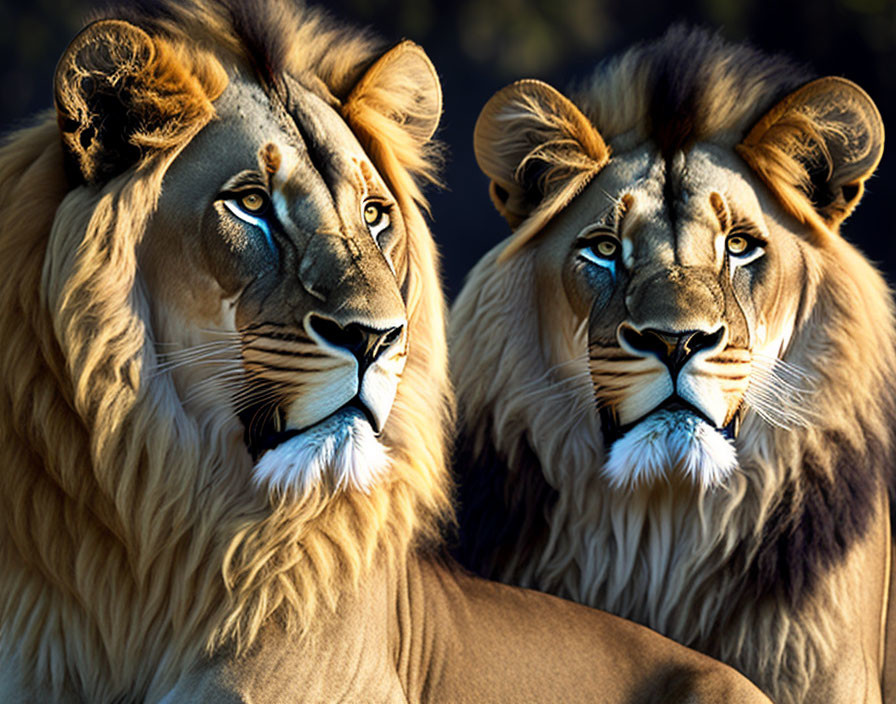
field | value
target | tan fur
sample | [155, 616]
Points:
[671, 555]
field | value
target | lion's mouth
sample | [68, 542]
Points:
[265, 428]
[613, 430]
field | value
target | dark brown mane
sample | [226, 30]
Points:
[695, 84]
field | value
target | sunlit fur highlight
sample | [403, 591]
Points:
[618, 99]
[132, 541]
[565, 153]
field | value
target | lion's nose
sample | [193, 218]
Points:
[366, 343]
[673, 349]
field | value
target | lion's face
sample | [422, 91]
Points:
[684, 313]
[276, 259]
[273, 261]
[670, 272]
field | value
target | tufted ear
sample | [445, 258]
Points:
[394, 109]
[539, 150]
[816, 148]
[121, 93]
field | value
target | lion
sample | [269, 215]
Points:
[225, 397]
[675, 379]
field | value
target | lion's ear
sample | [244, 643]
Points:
[403, 86]
[816, 148]
[533, 142]
[121, 93]
[395, 108]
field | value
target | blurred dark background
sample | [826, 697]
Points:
[478, 46]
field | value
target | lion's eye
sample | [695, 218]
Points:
[253, 202]
[606, 248]
[744, 248]
[376, 217]
[601, 250]
[737, 244]
[372, 213]
[251, 207]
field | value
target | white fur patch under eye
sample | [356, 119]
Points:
[666, 442]
[743, 260]
[380, 227]
[342, 450]
[628, 252]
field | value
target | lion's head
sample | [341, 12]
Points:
[676, 364]
[224, 388]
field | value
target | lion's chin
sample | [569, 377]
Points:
[668, 442]
[341, 451]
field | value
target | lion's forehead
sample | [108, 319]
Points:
[670, 217]
[318, 146]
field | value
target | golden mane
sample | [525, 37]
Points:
[123, 532]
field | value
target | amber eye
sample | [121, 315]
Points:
[737, 244]
[372, 213]
[602, 251]
[376, 217]
[253, 202]
[606, 248]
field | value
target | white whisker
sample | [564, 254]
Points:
[780, 392]
[575, 379]
[223, 333]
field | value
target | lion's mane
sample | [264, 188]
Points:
[723, 571]
[127, 547]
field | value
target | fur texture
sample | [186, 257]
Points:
[761, 571]
[132, 541]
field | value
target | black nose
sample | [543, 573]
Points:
[364, 342]
[673, 349]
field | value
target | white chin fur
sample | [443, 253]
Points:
[666, 442]
[342, 450]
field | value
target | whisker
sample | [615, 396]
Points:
[207, 351]
[200, 350]
[258, 398]
[541, 378]
[215, 382]
[779, 391]
[207, 360]
[223, 333]
[783, 369]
